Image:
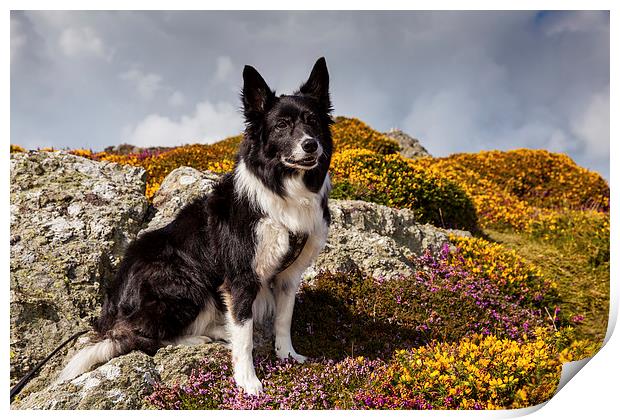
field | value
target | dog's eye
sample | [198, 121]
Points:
[311, 119]
[281, 124]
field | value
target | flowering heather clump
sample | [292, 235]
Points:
[454, 294]
[318, 384]
[455, 334]
[351, 133]
[479, 372]
[505, 268]
[395, 181]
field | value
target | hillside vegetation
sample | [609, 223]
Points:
[486, 323]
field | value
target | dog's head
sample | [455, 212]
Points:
[288, 132]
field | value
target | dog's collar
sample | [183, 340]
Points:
[296, 245]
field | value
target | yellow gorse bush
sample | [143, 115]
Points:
[511, 189]
[478, 372]
[395, 181]
[17, 149]
[351, 133]
[521, 189]
[504, 267]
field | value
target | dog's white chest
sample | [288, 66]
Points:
[298, 209]
[272, 244]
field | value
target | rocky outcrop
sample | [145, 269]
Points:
[80, 247]
[71, 219]
[374, 239]
[179, 188]
[124, 382]
[409, 147]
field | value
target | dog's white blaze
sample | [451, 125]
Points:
[300, 153]
[241, 346]
[299, 211]
[86, 358]
[271, 246]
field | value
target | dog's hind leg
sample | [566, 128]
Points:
[188, 340]
[88, 357]
[218, 332]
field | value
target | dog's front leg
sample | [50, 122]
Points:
[285, 302]
[241, 326]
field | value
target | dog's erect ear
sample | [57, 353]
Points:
[256, 94]
[317, 85]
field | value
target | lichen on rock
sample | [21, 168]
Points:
[71, 219]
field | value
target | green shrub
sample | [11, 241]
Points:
[395, 181]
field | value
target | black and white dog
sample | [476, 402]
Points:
[236, 255]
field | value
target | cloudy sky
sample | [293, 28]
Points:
[458, 81]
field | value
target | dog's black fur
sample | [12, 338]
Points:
[205, 255]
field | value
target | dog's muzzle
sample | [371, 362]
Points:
[306, 155]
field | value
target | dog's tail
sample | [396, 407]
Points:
[90, 356]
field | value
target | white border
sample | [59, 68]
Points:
[593, 394]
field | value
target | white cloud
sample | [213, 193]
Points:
[224, 68]
[577, 21]
[459, 81]
[592, 126]
[83, 41]
[176, 99]
[18, 37]
[207, 124]
[559, 142]
[535, 133]
[147, 84]
[444, 121]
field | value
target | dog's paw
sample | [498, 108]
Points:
[292, 354]
[250, 384]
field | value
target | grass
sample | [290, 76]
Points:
[582, 286]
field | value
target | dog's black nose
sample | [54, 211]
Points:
[309, 145]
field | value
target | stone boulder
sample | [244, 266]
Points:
[71, 219]
[409, 147]
[124, 382]
[374, 239]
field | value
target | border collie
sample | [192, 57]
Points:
[235, 256]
